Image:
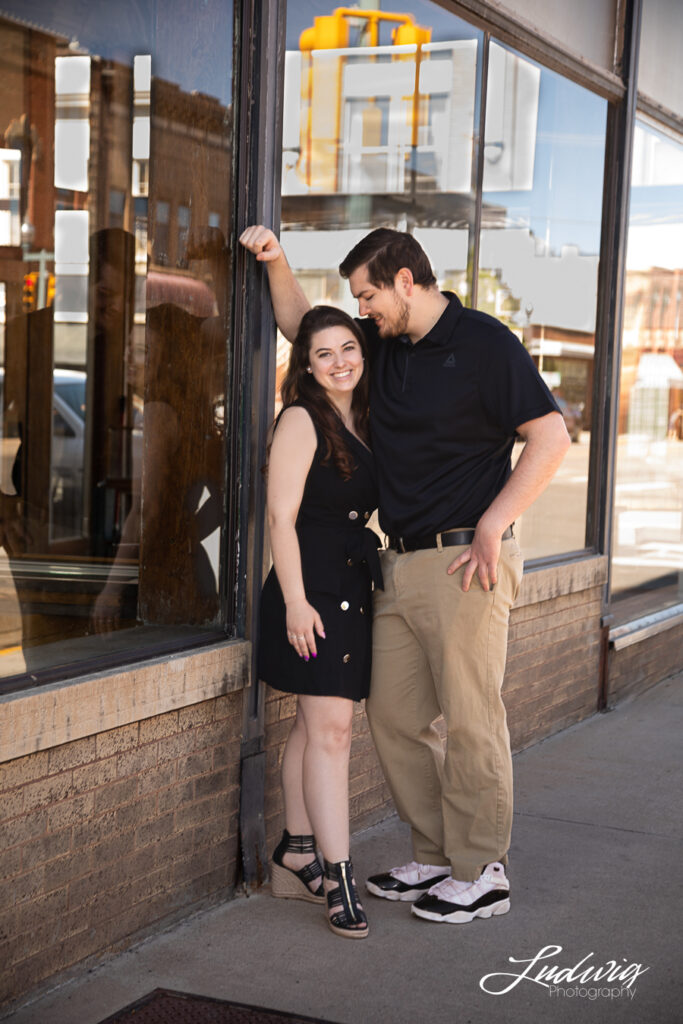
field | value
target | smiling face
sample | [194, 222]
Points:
[385, 306]
[336, 361]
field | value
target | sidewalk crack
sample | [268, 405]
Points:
[592, 824]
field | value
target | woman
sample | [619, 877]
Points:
[316, 602]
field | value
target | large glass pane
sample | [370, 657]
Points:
[538, 266]
[115, 211]
[379, 115]
[647, 562]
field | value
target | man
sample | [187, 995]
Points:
[451, 388]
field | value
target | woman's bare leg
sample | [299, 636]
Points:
[328, 722]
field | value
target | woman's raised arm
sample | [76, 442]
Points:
[289, 301]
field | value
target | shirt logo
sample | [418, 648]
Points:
[450, 362]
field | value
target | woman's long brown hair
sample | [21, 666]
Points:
[301, 386]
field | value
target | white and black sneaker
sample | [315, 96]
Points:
[408, 882]
[459, 902]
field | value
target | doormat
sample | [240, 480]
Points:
[163, 1006]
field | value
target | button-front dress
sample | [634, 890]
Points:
[340, 564]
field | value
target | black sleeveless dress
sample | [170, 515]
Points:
[340, 564]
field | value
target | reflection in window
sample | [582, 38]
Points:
[113, 365]
[647, 562]
[381, 134]
[378, 131]
[538, 262]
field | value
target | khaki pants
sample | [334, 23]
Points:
[437, 650]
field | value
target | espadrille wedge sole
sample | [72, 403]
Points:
[285, 884]
[290, 883]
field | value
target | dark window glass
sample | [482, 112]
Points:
[116, 122]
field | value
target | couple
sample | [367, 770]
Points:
[439, 393]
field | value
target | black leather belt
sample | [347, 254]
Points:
[449, 539]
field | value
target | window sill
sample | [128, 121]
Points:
[650, 625]
[72, 709]
[571, 577]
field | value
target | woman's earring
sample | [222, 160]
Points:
[309, 370]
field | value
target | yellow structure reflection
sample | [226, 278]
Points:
[322, 88]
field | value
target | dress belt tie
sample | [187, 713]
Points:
[362, 545]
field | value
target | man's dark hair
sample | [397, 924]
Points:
[385, 252]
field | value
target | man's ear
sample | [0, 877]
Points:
[403, 282]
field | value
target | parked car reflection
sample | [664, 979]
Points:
[68, 443]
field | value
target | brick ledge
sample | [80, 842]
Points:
[72, 709]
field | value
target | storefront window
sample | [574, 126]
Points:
[647, 562]
[381, 134]
[115, 213]
[538, 267]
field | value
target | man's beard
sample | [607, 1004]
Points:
[398, 323]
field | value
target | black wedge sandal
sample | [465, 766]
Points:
[289, 884]
[350, 921]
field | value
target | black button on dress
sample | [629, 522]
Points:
[340, 562]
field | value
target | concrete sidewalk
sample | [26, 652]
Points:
[595, 868]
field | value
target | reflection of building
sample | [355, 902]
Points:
[653, 326]
[144, 780]
[79, 165]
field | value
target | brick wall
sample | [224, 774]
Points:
[104, 836]
[552, 673]
[636, 668]
[369, 799]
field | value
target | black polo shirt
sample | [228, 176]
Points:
[443, 416]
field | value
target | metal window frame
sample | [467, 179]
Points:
[260, 69]
[481, 87]
[608, 348]
[611, 286]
